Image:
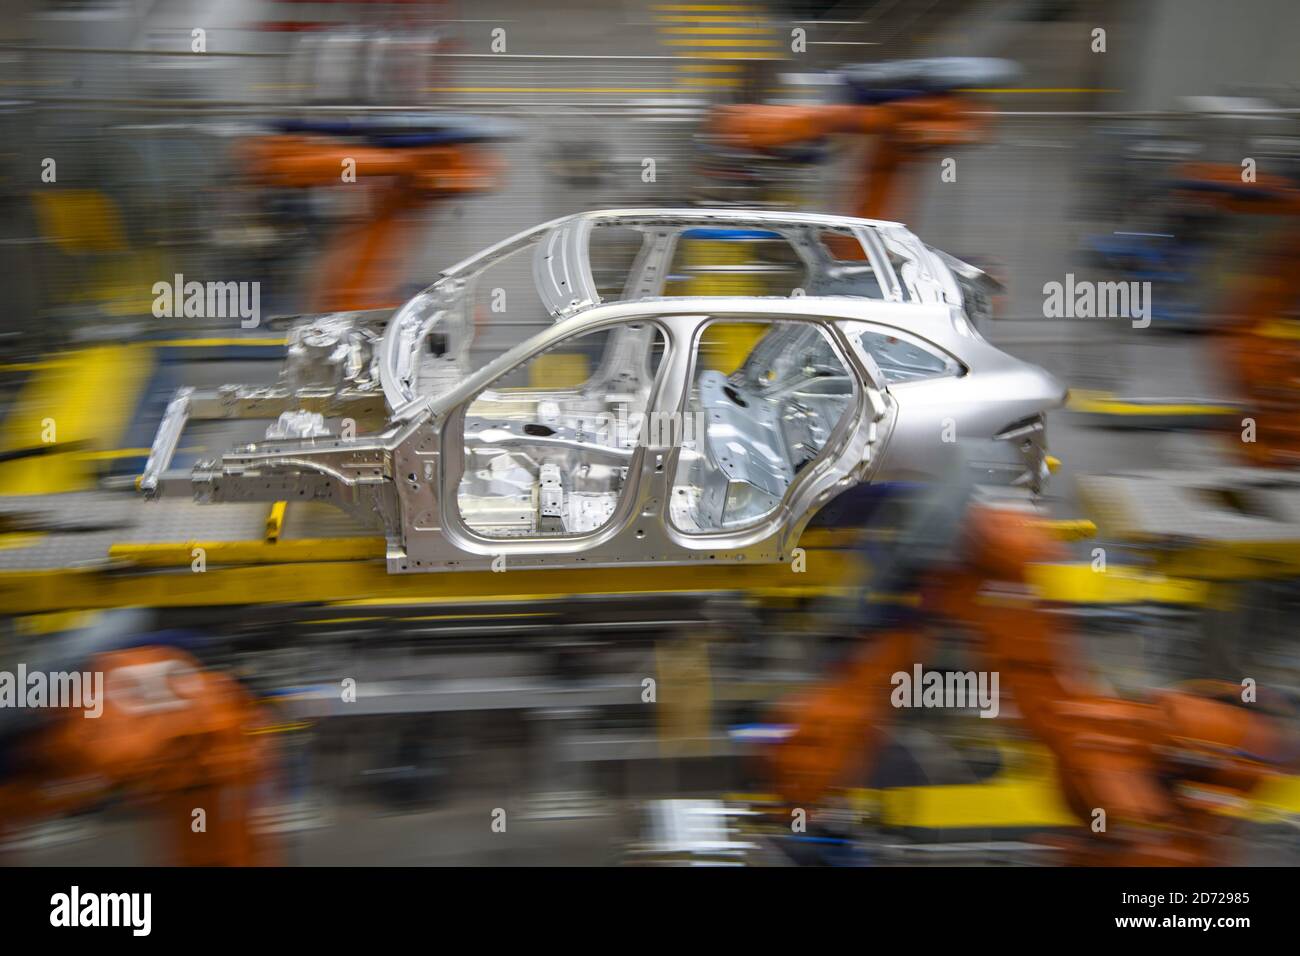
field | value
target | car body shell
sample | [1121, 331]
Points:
[404, 476]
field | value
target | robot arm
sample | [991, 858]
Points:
[1159, 768]
[171, 734]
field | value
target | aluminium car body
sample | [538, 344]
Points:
[861, 374]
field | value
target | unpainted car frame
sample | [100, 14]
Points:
[405, 384]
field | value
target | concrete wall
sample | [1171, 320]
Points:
[1206, 47]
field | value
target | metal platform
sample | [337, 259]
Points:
[100, 550]
[1219, 524]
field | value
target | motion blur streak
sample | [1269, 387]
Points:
[638, 434]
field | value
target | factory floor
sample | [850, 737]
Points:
[1007, 206]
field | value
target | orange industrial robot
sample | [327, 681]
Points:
[911, 107]
[406, 161]
[1162, 769]
[1258, 317]
[182, 740]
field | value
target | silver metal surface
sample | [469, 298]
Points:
[462, 469]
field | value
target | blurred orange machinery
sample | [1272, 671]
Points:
[179, 739]
[911, 107]
[904, 130]
[1259, 317]
[406, 161]
[1161, 769]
